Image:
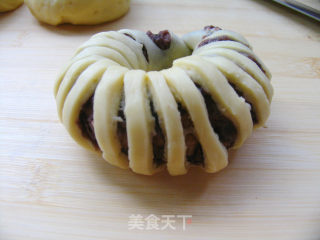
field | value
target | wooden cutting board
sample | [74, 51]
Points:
[51, 188]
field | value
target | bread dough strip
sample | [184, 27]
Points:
[106, 104]
[169, 116]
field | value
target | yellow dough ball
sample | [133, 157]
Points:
[85, 12]
[8, 5]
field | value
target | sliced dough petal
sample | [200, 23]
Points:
[134, 46]
[167, 110]
[81, 91]
[138, 122]
[227, 100]
[104, 41]
[69, 78]
[223, 44]
[239, 47]
[63, 72]
[237, 37]
[106, 104]
[247, 65]
[105, 52]
[251, 89]
[215, 154]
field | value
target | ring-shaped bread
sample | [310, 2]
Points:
[152, 101]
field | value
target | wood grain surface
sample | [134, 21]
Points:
[51, 188]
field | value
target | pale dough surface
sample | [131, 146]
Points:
[128, 64]
[85, 12]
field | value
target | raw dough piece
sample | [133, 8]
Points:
[85, 12]
[152, 101]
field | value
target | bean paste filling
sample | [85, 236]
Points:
[209, 30]
[223, 126]
[122, 127]
[194, 153]
[85, 121]
[252, 58]
[252, 110]
[161, 39]
[158, 139]
[214, 39]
